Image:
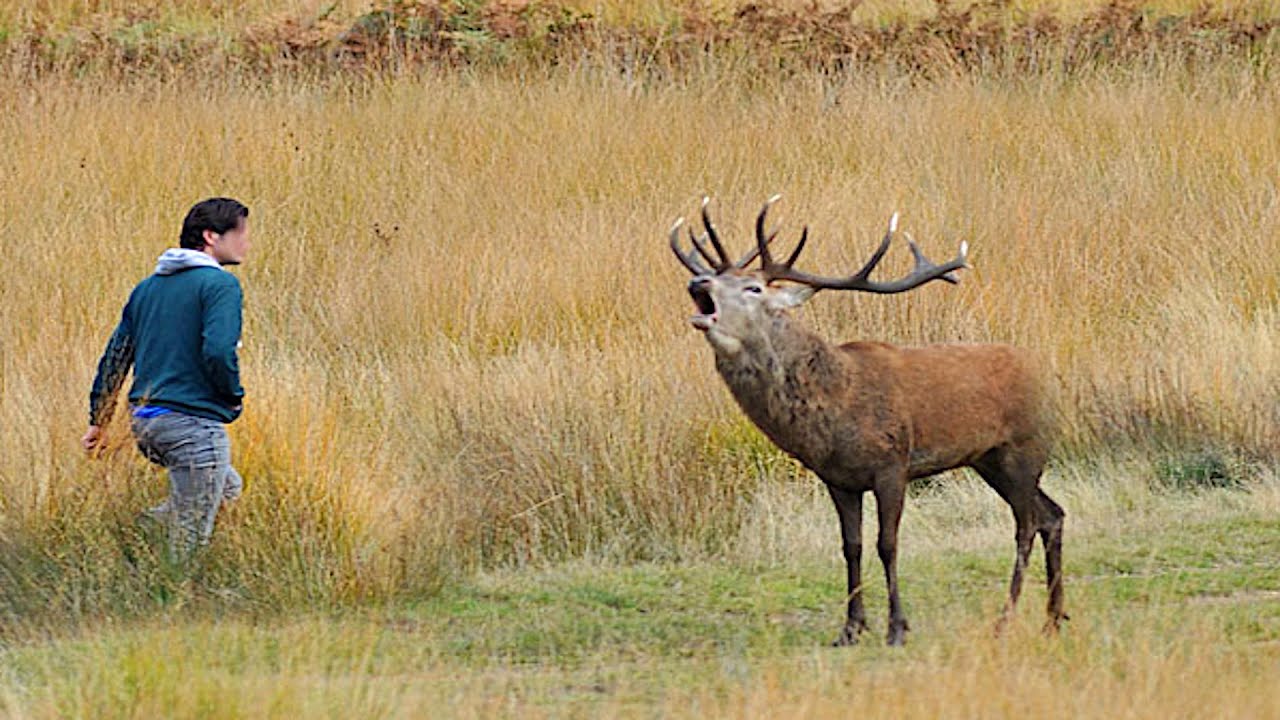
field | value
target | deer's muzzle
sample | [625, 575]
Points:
[700, 291]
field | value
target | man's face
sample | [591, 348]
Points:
[230, 247]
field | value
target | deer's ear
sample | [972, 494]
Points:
[791, 296]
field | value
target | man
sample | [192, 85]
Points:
[179, 331]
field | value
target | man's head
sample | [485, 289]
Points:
[218, 227]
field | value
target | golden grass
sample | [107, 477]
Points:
[465, 336]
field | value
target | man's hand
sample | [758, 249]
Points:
[92, 439]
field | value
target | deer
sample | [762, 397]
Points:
[873, 416]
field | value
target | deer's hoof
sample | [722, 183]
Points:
[897, 636]
[1002, 624]
[1054, 624]
[849, 635]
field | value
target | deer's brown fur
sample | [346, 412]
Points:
[870, 416]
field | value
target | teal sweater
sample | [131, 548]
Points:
[179, 331]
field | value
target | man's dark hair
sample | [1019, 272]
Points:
[216, 214]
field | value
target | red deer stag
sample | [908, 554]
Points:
[873, 416]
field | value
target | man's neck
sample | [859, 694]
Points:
[205, 251]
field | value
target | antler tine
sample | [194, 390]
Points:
[923, 263]
[804, 238]
[689, 261]
[754, 252]
[770, 267]
[699, 243]
[924, 271]
[762, 241]
[878, 255]
[715, 239]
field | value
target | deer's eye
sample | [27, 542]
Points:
[754, 289]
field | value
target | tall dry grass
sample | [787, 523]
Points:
[465, 337]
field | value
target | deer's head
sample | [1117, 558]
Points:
[737, 305]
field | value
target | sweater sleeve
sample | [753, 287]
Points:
[221, 335]
[112, 370]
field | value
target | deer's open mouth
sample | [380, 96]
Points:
[706, 316]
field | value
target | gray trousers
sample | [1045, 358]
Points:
[197, 453]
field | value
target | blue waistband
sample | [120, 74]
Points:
[149, 411]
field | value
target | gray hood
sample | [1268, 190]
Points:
[176, 260]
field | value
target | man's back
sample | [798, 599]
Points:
[185, 325]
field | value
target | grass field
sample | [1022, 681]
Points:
[490, 467]
[1169, 619]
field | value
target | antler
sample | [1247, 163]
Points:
[925, 270]
[699, 248]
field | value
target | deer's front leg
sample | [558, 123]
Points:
[890, 494]
[849, 507]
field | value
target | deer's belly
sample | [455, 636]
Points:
[846, 459]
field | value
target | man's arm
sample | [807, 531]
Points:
[220, 336]
[112, 370]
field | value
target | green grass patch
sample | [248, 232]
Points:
[581, 636]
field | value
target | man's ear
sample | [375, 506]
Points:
[791, 296]
[209, 236]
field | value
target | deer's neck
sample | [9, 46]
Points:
[789, 382]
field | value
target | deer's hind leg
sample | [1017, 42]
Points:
[1052, 516]
[1014, 473]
